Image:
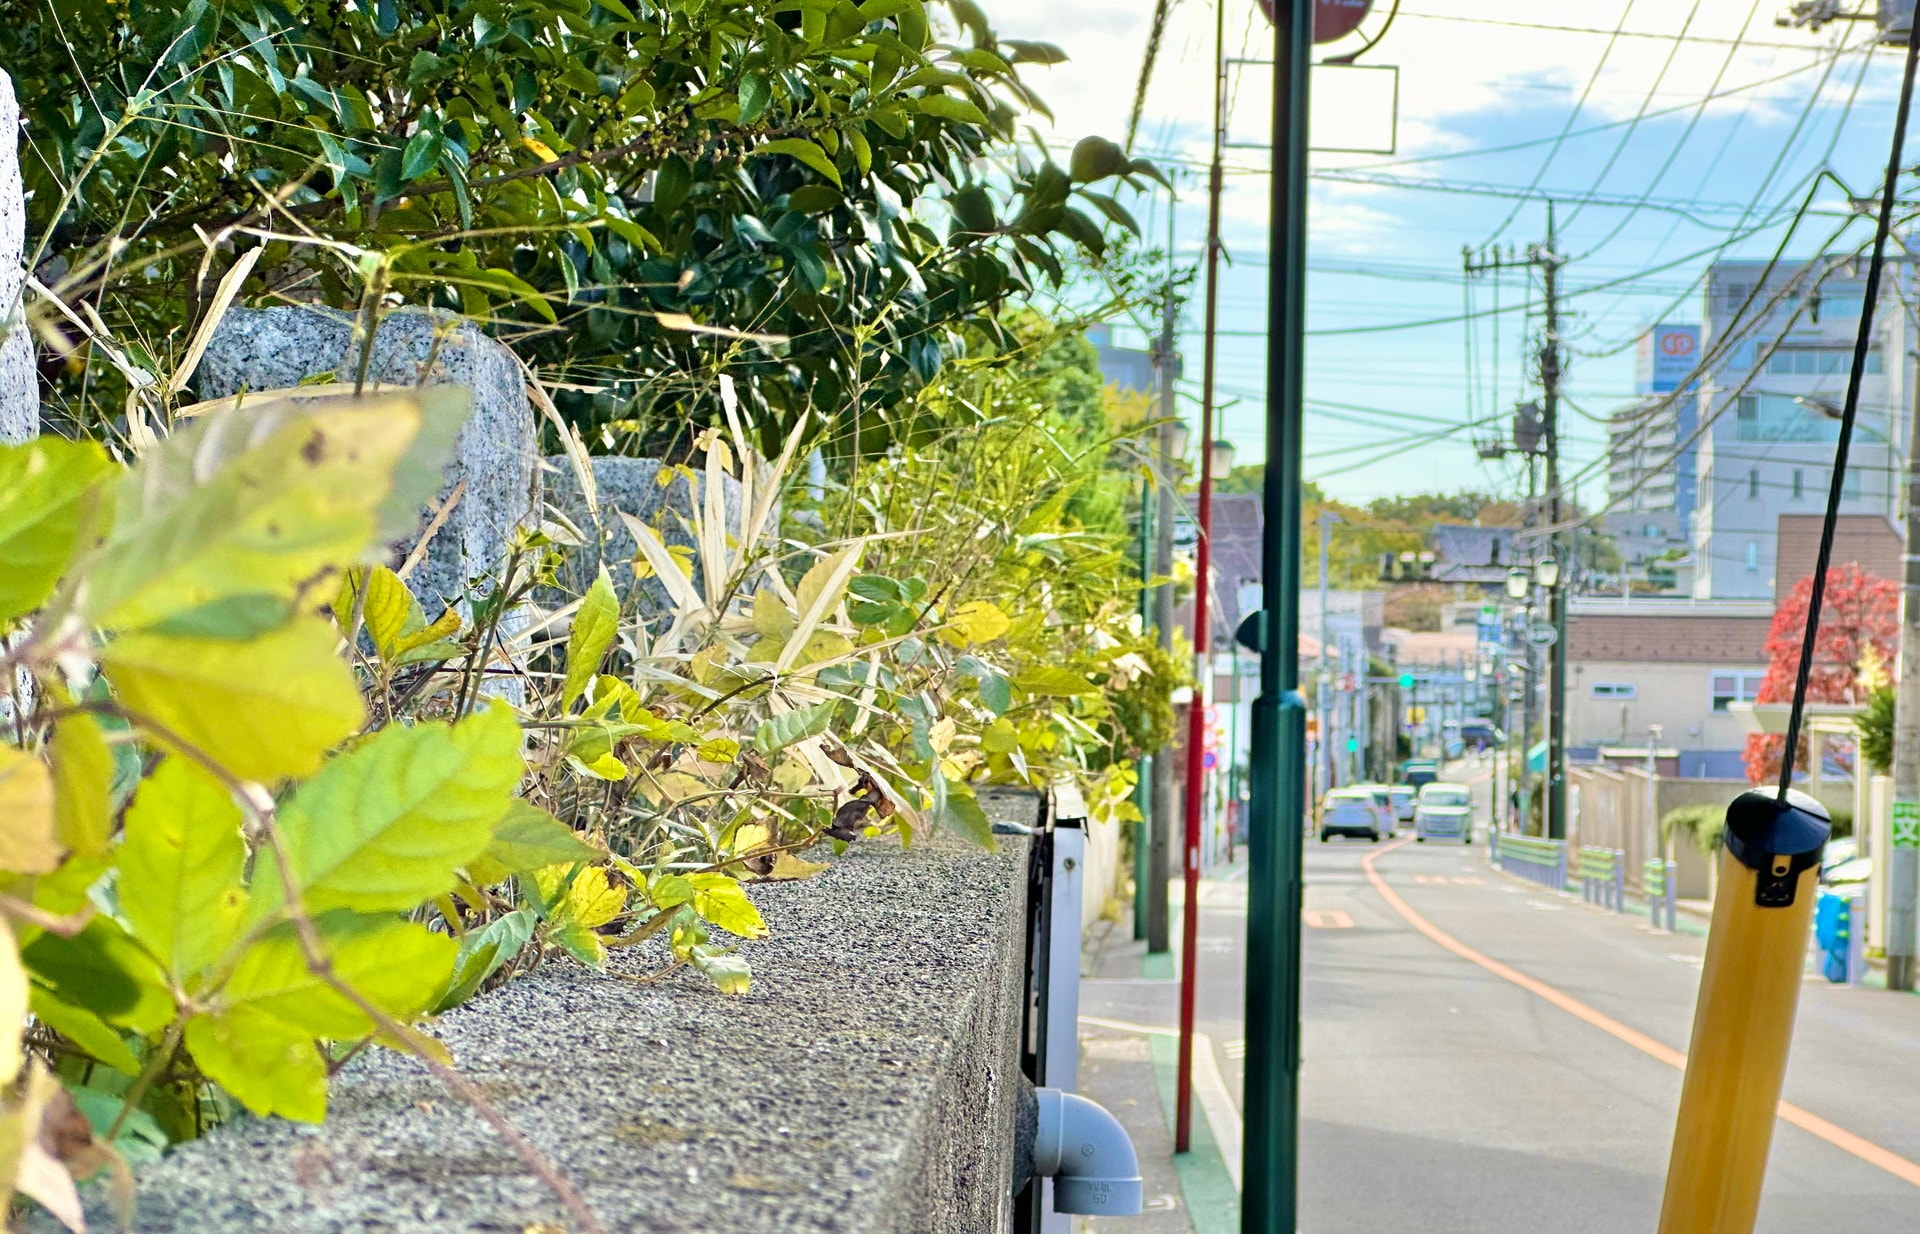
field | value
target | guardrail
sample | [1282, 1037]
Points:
[1602, 877]
[1534, 859]
[1662, 909]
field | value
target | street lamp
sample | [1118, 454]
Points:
[1518, 580]
[1546, 572]
[1179, 438]
[1223, 453]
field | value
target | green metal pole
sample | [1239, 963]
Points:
[1270, 1201]
[1143, 787]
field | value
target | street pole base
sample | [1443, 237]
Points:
[1900, 972]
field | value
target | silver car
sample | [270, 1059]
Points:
[1443, 812]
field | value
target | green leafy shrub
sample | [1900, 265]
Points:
[1703, 826]
[618, 183]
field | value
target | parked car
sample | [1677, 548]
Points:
[1403, 799]
[1481, 735]
[1443, 812]
[1383, 802]
[1418, 771]
[1351, 812]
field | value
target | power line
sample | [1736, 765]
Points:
[1573, 117]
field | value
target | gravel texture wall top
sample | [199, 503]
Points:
[868, 1083]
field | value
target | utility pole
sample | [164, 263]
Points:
[1270, 1201]
[1143, 786]
[1548, 259]
[1203, 657]
[1323, 698]
[1903, 882]
[1159, 864]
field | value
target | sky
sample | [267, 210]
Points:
[1668, 132]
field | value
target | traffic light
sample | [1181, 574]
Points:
[1406, 681]
[1353, 743]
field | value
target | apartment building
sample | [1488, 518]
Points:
[1777, 348]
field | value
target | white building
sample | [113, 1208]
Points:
[1777, 358]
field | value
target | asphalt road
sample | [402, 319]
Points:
[1444, 1098]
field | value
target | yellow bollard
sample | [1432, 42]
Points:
[1743, 1021]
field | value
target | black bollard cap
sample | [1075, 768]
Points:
[1777, 839]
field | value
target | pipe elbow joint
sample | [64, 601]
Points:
[1088, 1154]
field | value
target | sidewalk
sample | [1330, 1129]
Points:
[1128, 1006]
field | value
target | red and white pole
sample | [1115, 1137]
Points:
[1203, 665]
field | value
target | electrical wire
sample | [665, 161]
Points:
[1863, 342]
[1573, 117]
[1666, 66]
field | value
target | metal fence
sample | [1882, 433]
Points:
[1662, 906]
[1603, 877]
[1537, 860]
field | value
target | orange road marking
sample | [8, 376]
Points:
[1327, 919]
[1842, 1139]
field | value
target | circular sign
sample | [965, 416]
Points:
[1542, 634]
[1332, 19]
[1676, 344]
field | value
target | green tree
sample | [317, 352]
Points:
[640, 192]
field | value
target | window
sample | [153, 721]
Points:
[1778, 417]
[1653, 531]
[1799, 483]
[1819, 361]
[1852, 486]
[1614, 689]
[1753, 483]
[1753, 556]
[1735, 688]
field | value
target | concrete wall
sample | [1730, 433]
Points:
[868, 1083]
[1611, 812]
[1678, 697]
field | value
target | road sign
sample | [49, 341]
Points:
[1542, 634]
[1332, 19]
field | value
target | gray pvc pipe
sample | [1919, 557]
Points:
[1088, 1155]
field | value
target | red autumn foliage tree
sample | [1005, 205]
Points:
[1859, 611]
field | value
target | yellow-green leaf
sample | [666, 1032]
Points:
[103, 970]
[1000, 737]
[595, 623]
[248, 504]
[771, 617]
[82, 1027]
[387, 609]
[398, 966]
[729, 973]
[263, 710]
[82, 780]
[269, 1066]
[28, 842]
[386, 826]
[52, 500]
[961, 810]
[180, 868]
[419, 644]
[13, 1005]
[1045, 679]
[976, 621]
[527, 838]
[720, 899]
